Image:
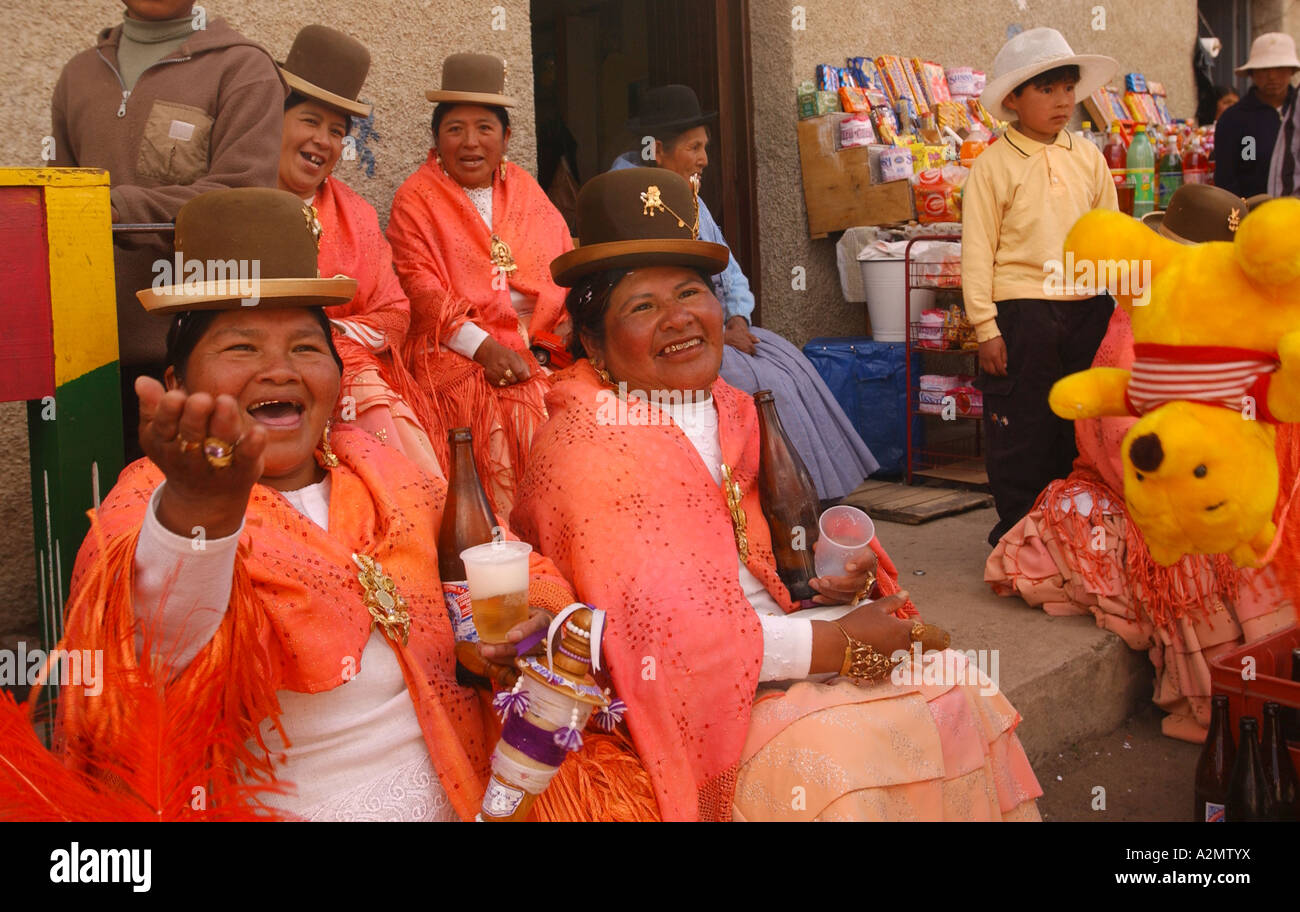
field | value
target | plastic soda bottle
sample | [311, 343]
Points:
[1171, 171]
[1196, 164]
[1117, 160]
[1141, 163]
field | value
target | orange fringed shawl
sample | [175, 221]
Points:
[630, 514]
[296, 621]
[441, 253]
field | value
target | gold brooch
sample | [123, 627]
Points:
[1234, 219]
[502, 257]
[312, 217]
[738, 521]
[387, 608]
[653, 201]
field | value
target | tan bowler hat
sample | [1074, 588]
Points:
[473, 79]
[328, 66]
[1271, 49]
[268, 238]
[637, 217]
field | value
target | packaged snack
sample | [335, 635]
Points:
[936, 81]
[856, 131]
[938, 199]
[895, 163]
[961, 81]
[930, 332]
[807, 99]
[1136, 110]
[914, 83]
[1135, 82]
[968, 401]
[853, 100]
[952, 116]
[979, 78]
[827, 78]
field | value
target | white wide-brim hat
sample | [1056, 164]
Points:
[1035, 51]
[1271, 49]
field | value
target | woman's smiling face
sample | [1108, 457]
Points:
[663, 331]
[310, 146]
[278, 366]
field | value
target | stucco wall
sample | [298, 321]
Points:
[1151, 36]
[407, 39]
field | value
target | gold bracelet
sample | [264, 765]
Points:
[861, 661]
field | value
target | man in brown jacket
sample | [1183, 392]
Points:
[172, 105]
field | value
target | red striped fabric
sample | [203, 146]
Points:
[1199, 373]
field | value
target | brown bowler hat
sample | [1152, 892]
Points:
[473, 79]
[328, 66]
[1199, 213]
[638, 217]
[269, 239]
[669, 109]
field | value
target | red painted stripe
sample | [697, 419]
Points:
[27, 328]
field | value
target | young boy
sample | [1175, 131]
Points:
[1022, 197]
[171, 104]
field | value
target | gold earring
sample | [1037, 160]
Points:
[504, 160]
[328, 457]
[605, 377]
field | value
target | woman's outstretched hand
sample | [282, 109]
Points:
[173, 427]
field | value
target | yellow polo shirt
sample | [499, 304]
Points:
[1020, 200]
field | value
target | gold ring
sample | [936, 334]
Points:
[218, 453]
[188, 445]
[865, 591]
[503, 382]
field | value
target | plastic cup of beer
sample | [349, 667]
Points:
[498, 587]
[843, 534]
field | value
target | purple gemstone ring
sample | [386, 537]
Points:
[218, 453]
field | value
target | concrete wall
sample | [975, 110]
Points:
[1153, 36]
[408, 40]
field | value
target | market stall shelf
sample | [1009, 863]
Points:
[953, 448]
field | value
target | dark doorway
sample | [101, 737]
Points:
[593, 60]
[1229, 21]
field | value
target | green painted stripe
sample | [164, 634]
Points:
[80, 431]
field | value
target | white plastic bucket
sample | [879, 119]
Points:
[886, 286]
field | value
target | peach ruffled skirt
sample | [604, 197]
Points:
[1054, 564]
[888, 751]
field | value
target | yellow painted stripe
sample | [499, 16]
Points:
[53, 177]
[82, 292]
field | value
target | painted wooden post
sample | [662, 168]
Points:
[58, 350]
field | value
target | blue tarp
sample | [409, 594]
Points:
[869, 381]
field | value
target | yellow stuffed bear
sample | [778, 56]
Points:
[1216, 366]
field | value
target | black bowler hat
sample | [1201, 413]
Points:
[637, 217]
[669, 110]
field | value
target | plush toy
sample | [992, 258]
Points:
[1216, 368]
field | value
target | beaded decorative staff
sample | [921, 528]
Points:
[543, 716]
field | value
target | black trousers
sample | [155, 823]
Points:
[1026, 444]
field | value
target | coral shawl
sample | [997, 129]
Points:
[388, 401]
[441, 253]
[351, 244]
[297, 620]
[619, 498]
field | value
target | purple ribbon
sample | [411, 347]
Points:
[533, 742]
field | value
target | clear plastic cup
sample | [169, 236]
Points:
[843, 533]
[498, 587]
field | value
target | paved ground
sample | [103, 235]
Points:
[1083, 693]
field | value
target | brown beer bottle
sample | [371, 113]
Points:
[1214, 768]
[1279, 771]
[1248, 797]
[467, 520]
[789, 501]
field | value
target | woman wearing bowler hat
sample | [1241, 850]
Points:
[473, 236]
[264, 591]
[753, 358]
[325, 70]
